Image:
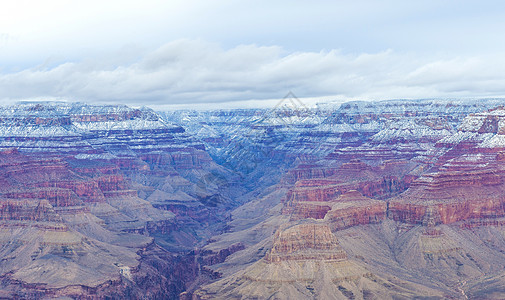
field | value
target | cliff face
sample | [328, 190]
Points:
[304, 242]
[112, 151]
[455, 196]
[469, 180]
[81, 189]
[307, 262]
[52, 235]
[385, 199]
[340, 195]
[459, 176]
[404, 185]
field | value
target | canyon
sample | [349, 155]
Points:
[399, 199]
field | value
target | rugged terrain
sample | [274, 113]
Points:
[90, 193]
[364, 200]
[412, 191]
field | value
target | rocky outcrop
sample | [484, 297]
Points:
[57, 197]
[352, 209]
[307, 171]
[400, 184]
[27, 210]
[459, 191]
[208, 258]
[69, 198]
[339, 197]
[306, 262]
[305, 242]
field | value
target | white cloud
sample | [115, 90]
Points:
[196, 71]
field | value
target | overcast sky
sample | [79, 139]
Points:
[190, 51]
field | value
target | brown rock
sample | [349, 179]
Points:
[306, 241]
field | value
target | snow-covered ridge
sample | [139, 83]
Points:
[77, 128]
[53, 119]
[51, 108]
[496, 141]
[492, 120]
[372, 116]
[407, 126]
[465, 106]
[486, 128]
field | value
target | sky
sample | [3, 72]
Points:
[228, 53]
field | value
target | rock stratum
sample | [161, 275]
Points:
[85, 192]
[411, 192]
[362, 200]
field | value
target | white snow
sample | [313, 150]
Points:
[497, 141]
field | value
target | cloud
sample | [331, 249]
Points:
[196, 71]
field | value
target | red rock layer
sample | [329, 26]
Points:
[449, 212]
[307, 172]
[27, 210]
[303, 242]
[36, 177]
[454, 194]
[58, 197]
[339, 197]
[369, 213]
